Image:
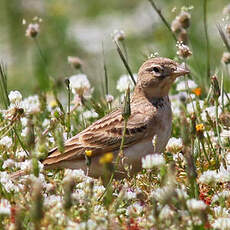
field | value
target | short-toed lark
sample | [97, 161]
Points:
[151, 118]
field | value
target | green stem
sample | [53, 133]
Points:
[206, 37]
[158, 11]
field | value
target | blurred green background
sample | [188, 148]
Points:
[78, 28]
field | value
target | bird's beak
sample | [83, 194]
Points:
[180, 70]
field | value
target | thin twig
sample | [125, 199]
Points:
[158, 11]
[105, 72]
[124, 61]
[206, 37]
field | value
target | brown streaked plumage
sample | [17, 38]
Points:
[150, 117]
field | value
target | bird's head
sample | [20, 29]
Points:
[156, 76]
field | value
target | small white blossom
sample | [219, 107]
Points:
[182, 85]
[166, 213]
[125, 82]
[163, 194]
[182, 194]
[209, 176]
[222, 223]
[193, 106]
[7, 182]
[4, 207]
[15, 97]
[152, 160]
[80, 85]
[24, 121]
[211, 112]
[129, 195]
[9, 163]
[223, 174]
[174, 145]
[20, 154]
[109, 98]
[225, 194]
[136, 208]
[46, 123]
[220, 212]
[195, 205]
[32, 30]
[52, 200]
[118, 35]
[31, 104]
[6, 141]
[89, 114]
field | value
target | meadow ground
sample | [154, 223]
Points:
[185, 187]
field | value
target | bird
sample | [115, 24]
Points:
[148, 127]
[150, 119]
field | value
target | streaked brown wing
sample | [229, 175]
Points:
[102, 136]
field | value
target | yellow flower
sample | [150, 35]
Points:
[88, 153]
[53, 103]
[197, 91]
[200, 127]
[107, 158]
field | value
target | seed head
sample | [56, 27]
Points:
[76, 62]
[183, 50]
[184, 19]
[32, 30]
[118, 35]
[226, 58]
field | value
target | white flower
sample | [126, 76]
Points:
[225, 99]
[6, 141]
[32, 30]
[129, 195]
[222, 223]
[220, 212]
[227, 158]
[4, 207]
[225, 194]
[209, 176]
[182, 194]
[109, 98]
[31, 104]
[124, 82]
[135, 208]
[20, 154]
[89, 114]
[211, 112]
[9, 163]
[223, 174]
[152, 160]
[174, 145]
[52, 200]
[192, 106]
[118, 35]
[166, 212]
[163, 194]
[77, 174]
[7, 183]
[80, 85]
[195, 205]
[182, 85]
[46, 123]
[24, 121]
[15, 97]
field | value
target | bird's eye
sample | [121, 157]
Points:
[156, 69]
